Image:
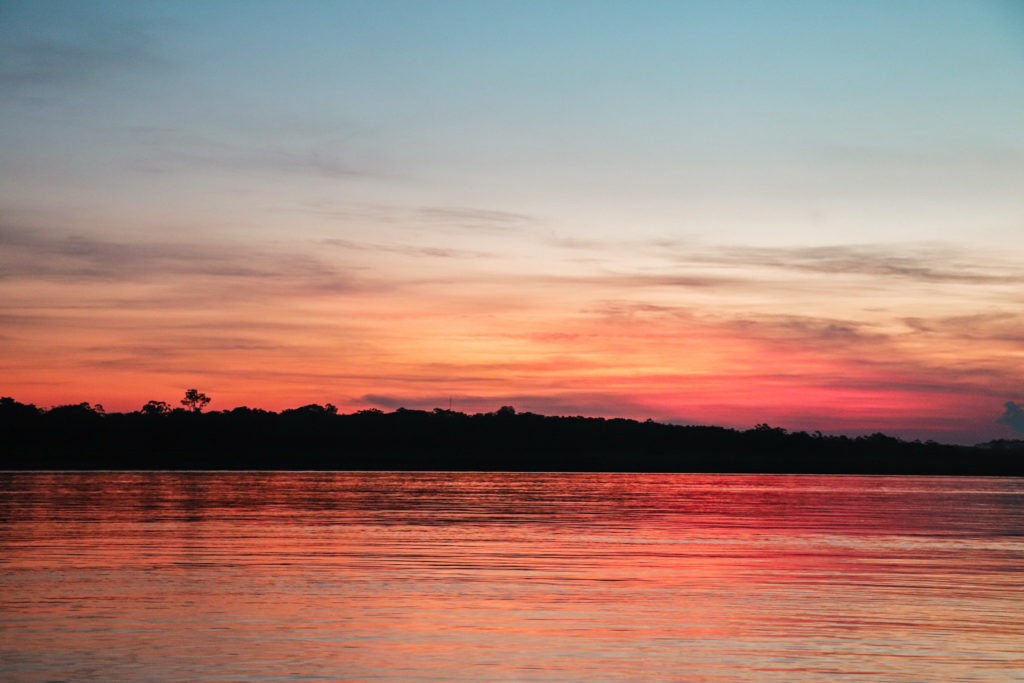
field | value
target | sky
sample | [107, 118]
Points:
[806, 214]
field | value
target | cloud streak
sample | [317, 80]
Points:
[69, 258]
[925, 265]
[408, 249]
[459, 219]
[930, 264]
[73, 46]
[164, 150]
[41, 63]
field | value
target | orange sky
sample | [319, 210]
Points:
[698, 212]
[709, 343]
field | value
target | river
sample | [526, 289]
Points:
[278, 576]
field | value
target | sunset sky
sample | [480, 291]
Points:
[809, 214]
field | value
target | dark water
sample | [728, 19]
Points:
[518, 577]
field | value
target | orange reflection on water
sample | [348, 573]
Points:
[474, 576]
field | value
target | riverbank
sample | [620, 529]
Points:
[317, 438]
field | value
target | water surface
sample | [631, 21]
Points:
[520, 577]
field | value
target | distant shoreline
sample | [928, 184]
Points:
[553, 472]
[317, 438]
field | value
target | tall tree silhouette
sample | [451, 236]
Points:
[195, 400]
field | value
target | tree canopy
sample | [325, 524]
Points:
[194, 400]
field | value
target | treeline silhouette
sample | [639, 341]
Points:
[83, 436]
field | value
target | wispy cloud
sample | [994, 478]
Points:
[602, 283]
[75, 50]
[163, 150]
[927, 264]
[323, 162]
[406, 249]
[69, 258]
[924, 263]
[1001, 326]
[807, 329]
[474, 219]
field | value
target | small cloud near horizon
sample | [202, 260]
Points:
[1013, 417]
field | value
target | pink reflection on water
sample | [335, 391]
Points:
[467, 576]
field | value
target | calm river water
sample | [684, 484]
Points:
[509, 577]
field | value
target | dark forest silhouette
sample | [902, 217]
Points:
[158, 436]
